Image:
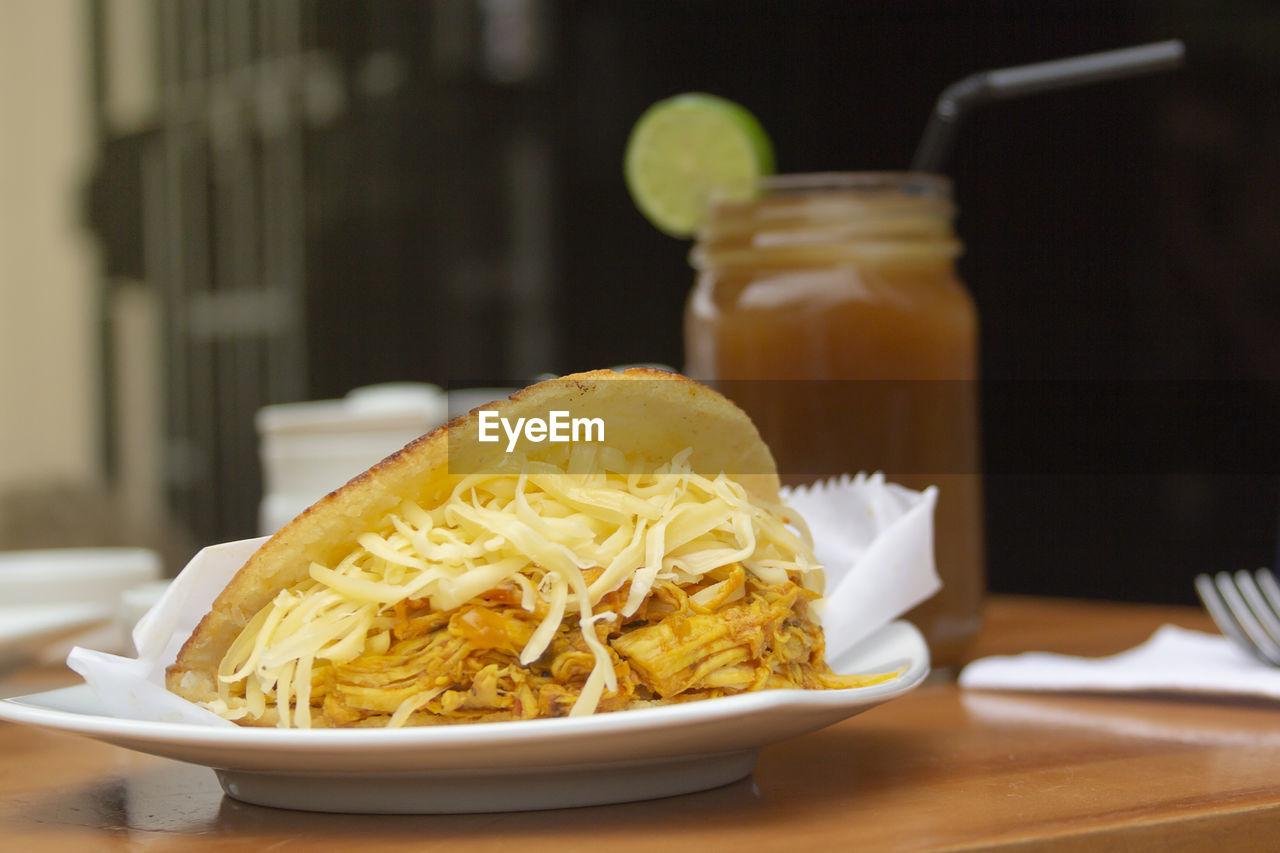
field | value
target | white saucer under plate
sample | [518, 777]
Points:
[492, 767]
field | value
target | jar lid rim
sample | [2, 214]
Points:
[914, 183]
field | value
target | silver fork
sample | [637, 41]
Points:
[1246, 608]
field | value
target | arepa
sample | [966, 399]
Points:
[457, 581]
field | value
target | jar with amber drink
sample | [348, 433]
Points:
[828, 306]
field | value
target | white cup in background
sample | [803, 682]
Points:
[309, 449]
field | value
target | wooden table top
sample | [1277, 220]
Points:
[940, 769]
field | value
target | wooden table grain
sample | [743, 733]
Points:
[940, 769]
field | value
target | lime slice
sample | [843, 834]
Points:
[684, 147]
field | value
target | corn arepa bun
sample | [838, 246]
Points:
[649, 414]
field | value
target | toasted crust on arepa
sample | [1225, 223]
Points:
[654, 420]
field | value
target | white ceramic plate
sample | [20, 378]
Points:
[63, 575]
[513, 766]
[25, 628]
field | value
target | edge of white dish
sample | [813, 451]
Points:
[504, 766]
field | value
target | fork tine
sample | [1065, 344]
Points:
[1270, 589]
[1259, 605]
[1222, 616]
[1264, 646]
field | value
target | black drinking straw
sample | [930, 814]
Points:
[1001, 83]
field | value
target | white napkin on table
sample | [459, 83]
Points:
[1173, 659]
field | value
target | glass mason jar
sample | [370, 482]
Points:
[848, 281]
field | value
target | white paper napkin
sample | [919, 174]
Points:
[874, 538]
[1173, 659]
[876, 541]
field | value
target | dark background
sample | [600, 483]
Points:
[460, 214]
